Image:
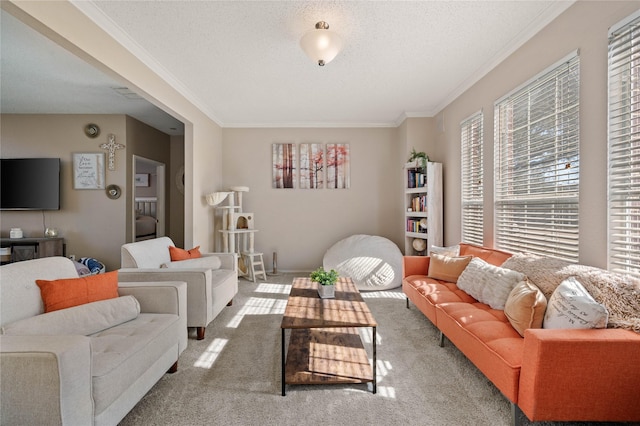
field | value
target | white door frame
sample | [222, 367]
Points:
[160, 194]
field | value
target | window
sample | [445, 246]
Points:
[624, 147]
[537, 164]
[472, 196]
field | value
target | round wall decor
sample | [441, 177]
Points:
[92, 130]
[113, 192]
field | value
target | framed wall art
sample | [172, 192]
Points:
[311, 166]
[142, 179]
[88, 170]
[284, 171]
[338, 166]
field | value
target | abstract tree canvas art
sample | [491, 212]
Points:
[284, 165]
[311, 166]
[338, 165]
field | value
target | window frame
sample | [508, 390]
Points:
[472, 178]
[623, 146]
[536, 202]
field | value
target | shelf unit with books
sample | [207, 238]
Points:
[423, 208]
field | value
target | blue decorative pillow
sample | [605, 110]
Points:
[93, 264]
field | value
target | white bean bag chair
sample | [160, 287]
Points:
[372, 262]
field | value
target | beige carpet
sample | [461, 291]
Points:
[232, 377]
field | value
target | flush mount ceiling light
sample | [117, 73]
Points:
[320, 44]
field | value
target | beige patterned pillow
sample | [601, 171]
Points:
[487, 283]
[525, 307]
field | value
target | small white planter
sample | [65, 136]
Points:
[326, 291]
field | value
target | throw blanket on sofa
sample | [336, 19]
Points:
[619, 293]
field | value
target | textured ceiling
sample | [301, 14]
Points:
[241, 62]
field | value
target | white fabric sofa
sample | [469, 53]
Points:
[212, 280]
[89, 364]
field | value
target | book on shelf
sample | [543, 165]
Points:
[413, 225]
[416, 179]
[419, 203]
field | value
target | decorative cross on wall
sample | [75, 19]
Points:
[111, 147]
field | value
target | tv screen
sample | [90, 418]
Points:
[30, 184]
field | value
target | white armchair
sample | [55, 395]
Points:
[212, 280]
[89, 364]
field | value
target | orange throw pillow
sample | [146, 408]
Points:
[447, 268]
[68, 292]
[525, 307]
[182, 254]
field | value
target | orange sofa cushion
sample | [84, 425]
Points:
[492, 256]
[182, 254]
[487, 338]
[69, 292]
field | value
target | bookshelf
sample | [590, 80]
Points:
[423, 207]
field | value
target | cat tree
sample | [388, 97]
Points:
[238, 231]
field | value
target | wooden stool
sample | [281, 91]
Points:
[253, 259]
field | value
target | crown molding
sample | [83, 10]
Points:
[317, 125]
[415, 114]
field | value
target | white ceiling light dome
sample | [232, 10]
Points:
[321, 44]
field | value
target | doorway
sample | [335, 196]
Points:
[149, 218]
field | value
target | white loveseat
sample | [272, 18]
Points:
[89, 364]
[212, 280]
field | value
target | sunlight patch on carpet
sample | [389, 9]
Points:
[366, 334]
[383, 294]
[258, 306]
[383, 367]
[209, 356]
[386, 391]
[273, 288]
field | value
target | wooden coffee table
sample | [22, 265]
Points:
[325, 346]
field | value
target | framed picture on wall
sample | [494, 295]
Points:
[88, 170]
[338, 166]
[142, 179]
[311, 166]
[284, 171]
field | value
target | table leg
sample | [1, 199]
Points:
[282, 359]
[375, 379]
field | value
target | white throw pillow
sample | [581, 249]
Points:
[84, 319]
[487, 283]
[571, 306]
[446, 251]
[209, 262]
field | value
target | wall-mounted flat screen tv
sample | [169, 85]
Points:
[30, 184]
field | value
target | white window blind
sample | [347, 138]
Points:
[624, 148]
[537, 164]
[472, 194]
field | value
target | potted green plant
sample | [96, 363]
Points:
[326, 282]
[420, 158]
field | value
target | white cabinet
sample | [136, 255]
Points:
[423, 208]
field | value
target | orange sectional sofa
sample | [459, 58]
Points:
[549, 374]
